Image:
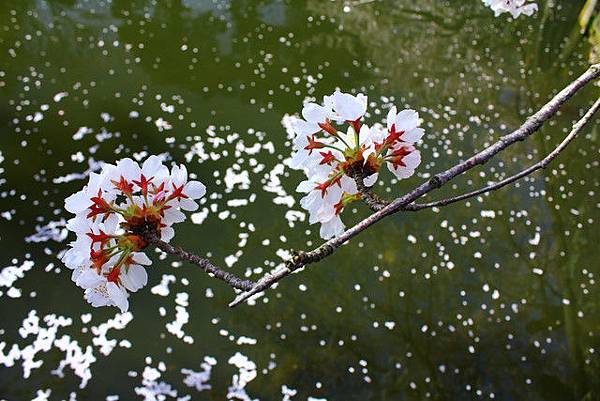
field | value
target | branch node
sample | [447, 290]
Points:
[296, 260]
[436, 181]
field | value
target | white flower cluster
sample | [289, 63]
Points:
[514, 7]
[328, 156]
[111, 212]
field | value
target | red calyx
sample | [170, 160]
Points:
[143, 184]
[355, 124]
[99, 258]
[345, 200]
[178, 193]
[113, 275]
[99, 206]
[327, 127]
[328, 157]
[323, 187]
[393, 136]
[313, 144]
[102, 238]
[397, 155]
[339, 206]
[123, 185]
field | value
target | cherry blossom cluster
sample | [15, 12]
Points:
[331, 142]
[514, 7]
[112, 214]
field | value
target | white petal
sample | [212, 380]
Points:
[332, 228]
[304, 128]
[74, 258]
[365, 135]
[529, 9]
[195, 189]
[349, 137]
[167, 234]
[401, 172]
[77, 272]
[162, 175]
[89, 278]
[391, 117]
[78, 202]
[406, 120]
[188, 205]
[300, 141]
[134, 277]
[299, 160]
[371, 180]
[129, 169]
[78, 224]
[98, 296]
[305, 186]
[118, 295]
[173, 216]
[111, 224]
[151, 166]
[414, 135]
[179, 175]
[348, 107]
[347, 185]
[413, 159]
[141, 258]
[315, 113]
[94, 184]
[108, 170]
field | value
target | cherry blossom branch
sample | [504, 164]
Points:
[152, 238]
[531, 125]
[373, 200]
[577, 127]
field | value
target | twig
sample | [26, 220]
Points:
[374, 201]
[577, 127]
[531, 125]
[152, 238]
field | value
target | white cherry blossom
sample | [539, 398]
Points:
[329, 155]
[514, 7]
[406, 161]
[111, 212]
[347, 107]
[406, 123]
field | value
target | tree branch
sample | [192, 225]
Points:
[152, 238]
[531, 125]
[577, 127]
[374, 201]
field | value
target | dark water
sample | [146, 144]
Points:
[491, 299]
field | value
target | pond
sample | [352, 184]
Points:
[492, 298]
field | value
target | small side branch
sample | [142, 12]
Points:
[531, 125]
[374, 201]
[152, 238]
[577, 127]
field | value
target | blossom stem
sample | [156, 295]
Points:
[383, 148]
[122, 258]
[334, 147]
[339, 136]
[117, 210]
[151, 237]
[373, 200]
